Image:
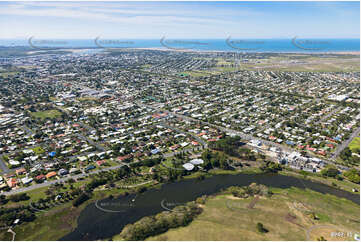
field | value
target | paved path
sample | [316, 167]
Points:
[308, 231]
[14, 234]
[137, 185]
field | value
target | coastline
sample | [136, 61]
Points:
[248, 52]
[190, 50]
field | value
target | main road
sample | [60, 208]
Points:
[342, 146]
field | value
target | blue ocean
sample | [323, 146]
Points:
[229, 44]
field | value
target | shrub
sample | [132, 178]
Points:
[201, 200]
[271, 167]
[82, 198]
[141, 189]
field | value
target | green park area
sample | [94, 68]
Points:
[53, 113]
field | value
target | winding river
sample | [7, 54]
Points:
[106, 218]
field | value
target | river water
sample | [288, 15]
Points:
[106, 218]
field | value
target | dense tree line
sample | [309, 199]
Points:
[347, 157]
[9, 215]
[249, 191]
[19, 197]
[160, 223]
[228, 145]
[214, 160]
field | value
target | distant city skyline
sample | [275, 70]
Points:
[187, 20]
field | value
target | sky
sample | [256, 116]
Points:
[187, 20]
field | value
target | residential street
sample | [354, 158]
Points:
[45, 184]
[4, 168]
[63, 179]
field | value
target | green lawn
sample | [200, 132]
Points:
[38, 150]
[53, 113]
[355, 144]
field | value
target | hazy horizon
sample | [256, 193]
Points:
[180, 20]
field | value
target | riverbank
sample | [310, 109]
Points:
[150, 202]
[340, 184]
[65, 217]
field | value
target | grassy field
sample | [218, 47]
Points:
[7, 74]
[306, 63]
[197, 73]
[285, 215]
[287, 62]
[321, 67]
[38, 150]
[355, 144]
[46, 114]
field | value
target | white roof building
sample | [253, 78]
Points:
[188, 166]
[196, 161]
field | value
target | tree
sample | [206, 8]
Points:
[261, 229]
[270, 166]
[3, 199]
[329, 171]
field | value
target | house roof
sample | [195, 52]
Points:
[39, 177]
[51, 174]
[100, 162]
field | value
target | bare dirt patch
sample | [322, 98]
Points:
[253, 202]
